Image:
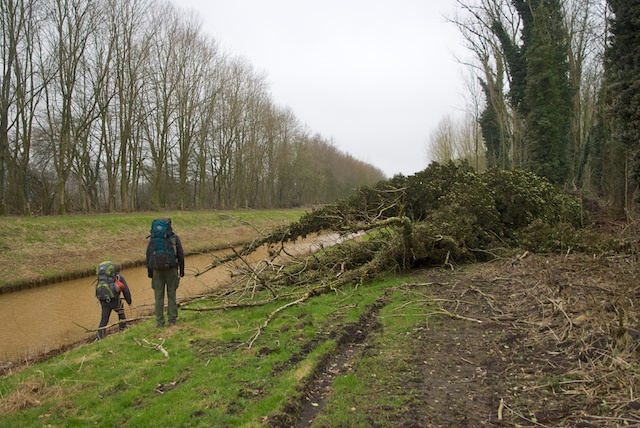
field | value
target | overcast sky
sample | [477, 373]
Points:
[373, 76]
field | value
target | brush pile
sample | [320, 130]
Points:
[445, 215]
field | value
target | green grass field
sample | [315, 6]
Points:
[212, 369]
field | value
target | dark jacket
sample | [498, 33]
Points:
[126, 292]
[179, 256]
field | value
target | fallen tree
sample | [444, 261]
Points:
[446, 215]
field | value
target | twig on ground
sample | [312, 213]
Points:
[488, 298]
[275, 312]
[441, 311]
[520, 415]
[154, 346]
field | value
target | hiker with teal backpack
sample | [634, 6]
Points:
[108, 289]
[165, 267]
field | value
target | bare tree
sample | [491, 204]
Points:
[195, 59]
[251, 158]
[456, 140]
[468, 140]
[93, 152]
[499, 122]
[160, 100]
[473, 143]
[125, 104]
[19, 94]
[211, 88]
[68, 35]
[231, 131]
[121, 144]
[442, 145]
[585, 23]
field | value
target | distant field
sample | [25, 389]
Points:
[45, 249]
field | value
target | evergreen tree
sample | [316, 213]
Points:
[623, 80]
[539, 85]
[497, 155]
[547, 95]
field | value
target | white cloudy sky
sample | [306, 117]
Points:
[374, 76]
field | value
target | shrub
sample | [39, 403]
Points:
[522, 198]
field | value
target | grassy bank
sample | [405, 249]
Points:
[38, 250]
[217, 371]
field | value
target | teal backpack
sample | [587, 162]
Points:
[106, 287]
[163, 245]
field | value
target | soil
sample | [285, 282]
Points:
[537, 341]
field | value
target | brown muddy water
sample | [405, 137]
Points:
[38, 320]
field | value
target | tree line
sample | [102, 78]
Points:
[125, 105]
[553, 88]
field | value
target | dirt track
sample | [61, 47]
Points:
[534, 341]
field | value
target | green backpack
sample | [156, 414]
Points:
[106, 287]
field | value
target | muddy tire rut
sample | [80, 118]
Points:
[302, 409]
